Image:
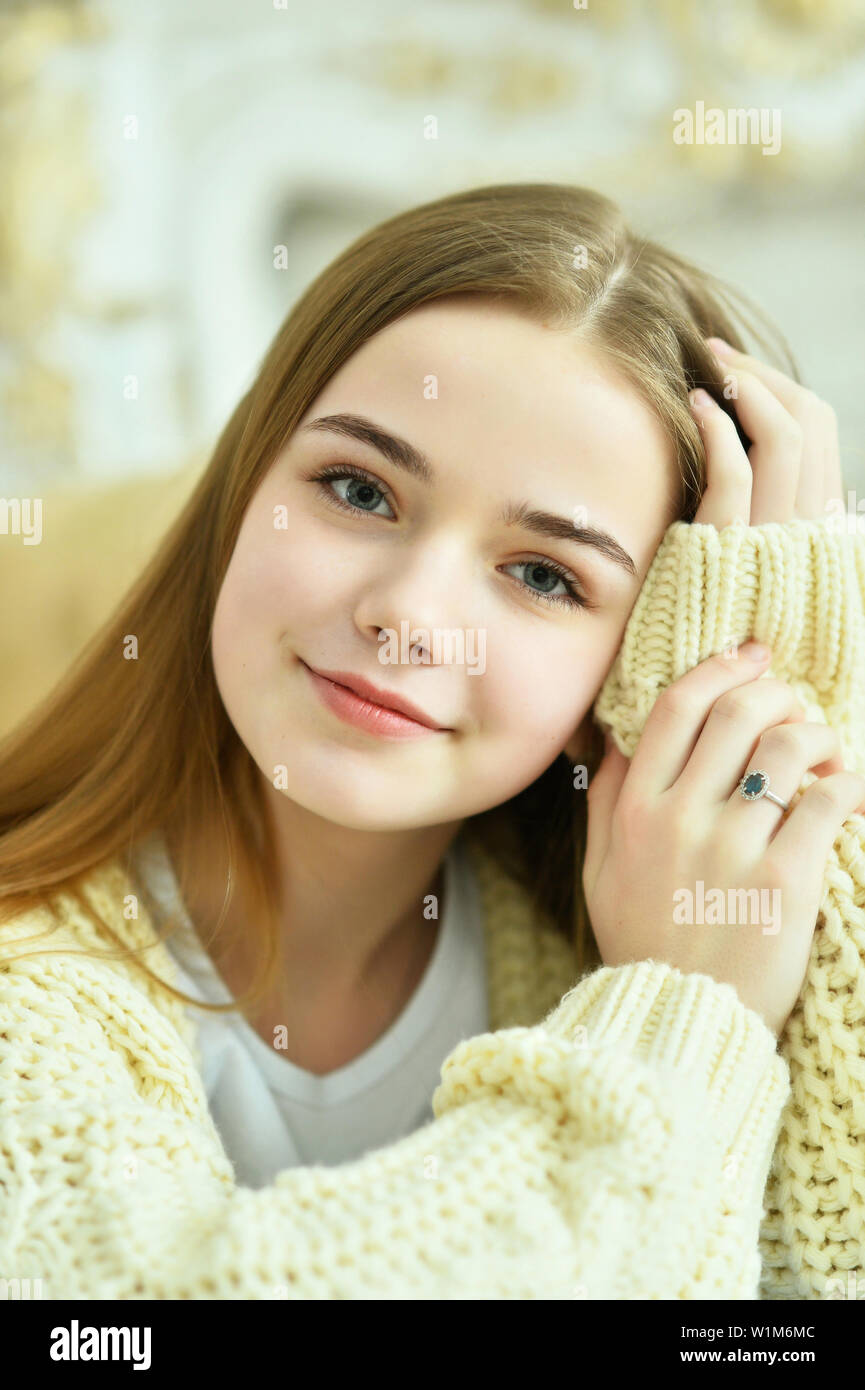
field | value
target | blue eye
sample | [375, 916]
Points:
[572, 598]
[339, 473]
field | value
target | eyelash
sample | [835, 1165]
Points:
[575, 599]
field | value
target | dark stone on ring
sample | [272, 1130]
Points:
[754, 785]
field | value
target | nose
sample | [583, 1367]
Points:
[426, 586]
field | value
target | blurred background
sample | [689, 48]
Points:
[174, 174]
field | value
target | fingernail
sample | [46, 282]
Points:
[720, 346]
[754, 651]
[699, 398]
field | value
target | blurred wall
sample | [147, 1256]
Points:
[175, 174]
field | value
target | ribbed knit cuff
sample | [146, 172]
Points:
[796, 585]
[693, 1025]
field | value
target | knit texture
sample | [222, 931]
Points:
[800, 587]
[632, 1134]
[614, 1147]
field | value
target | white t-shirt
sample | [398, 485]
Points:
[272, 1114]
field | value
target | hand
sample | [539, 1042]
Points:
[793, 466]
[673, 815]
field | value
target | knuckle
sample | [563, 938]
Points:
[787, 738]
[826, 794]
[630, 819]
[818, 407]
[792, 431]
[744, 701]
[734, 470]
[774, 872]
[680, 824]
[734, 704]
[738, 468]
[675, 704]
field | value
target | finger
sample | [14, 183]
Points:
[729, 477]
[677, 718]
[776, 453]
[603, 794]
[820, 471]
[804, 842]
[787, 390]
[731, 735]
[785, 756]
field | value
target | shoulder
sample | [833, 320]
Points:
[96, 936]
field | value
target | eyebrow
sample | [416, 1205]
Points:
[405, 456]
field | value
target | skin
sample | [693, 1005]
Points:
[683, 775]
[793, 467]
[523, 412]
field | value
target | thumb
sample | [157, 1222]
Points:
[603, 794]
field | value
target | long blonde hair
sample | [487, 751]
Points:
[123, 747]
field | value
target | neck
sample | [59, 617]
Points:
[351, 901]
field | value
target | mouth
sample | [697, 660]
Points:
[358, 702]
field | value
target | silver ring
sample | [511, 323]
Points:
[756, 784]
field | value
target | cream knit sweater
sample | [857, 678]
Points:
[799, 586]
[608, 1138]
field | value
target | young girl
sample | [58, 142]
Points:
[323, 975]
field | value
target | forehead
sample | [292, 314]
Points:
[467, 378]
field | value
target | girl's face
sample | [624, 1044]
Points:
[506, 414]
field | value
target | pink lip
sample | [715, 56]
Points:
[362, 704]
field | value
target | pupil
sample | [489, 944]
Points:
[366, 488]
[543, 569]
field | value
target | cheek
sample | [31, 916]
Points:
[527, 707]
[533, 704]
[275, 580]
[249, 606]
[540, 695]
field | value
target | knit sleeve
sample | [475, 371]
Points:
[617, 1149]
[798, 586]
